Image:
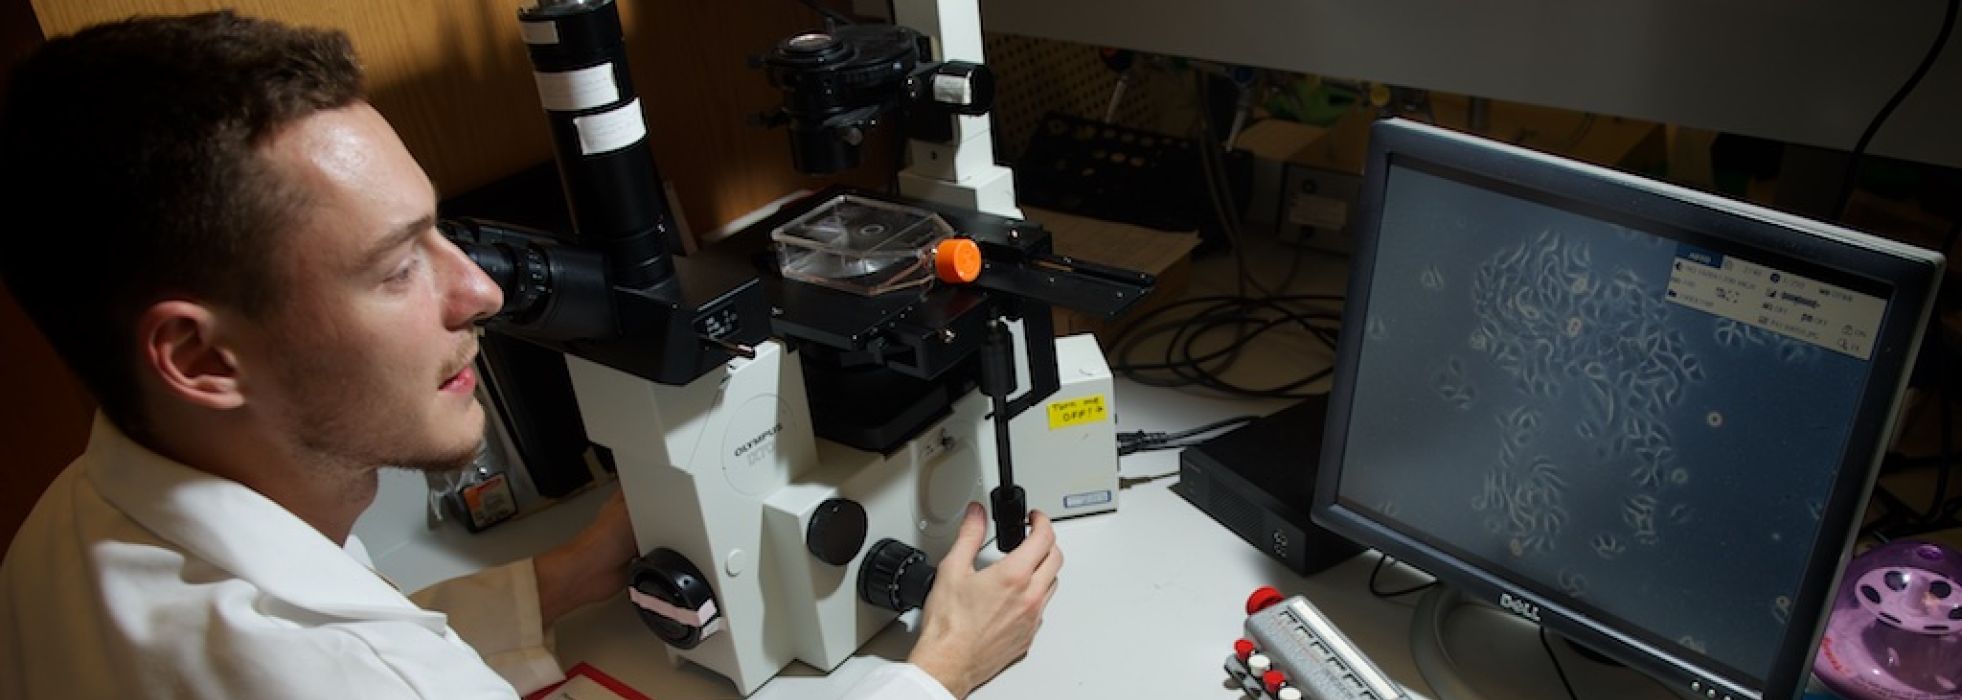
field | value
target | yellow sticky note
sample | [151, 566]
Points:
[1079, 411]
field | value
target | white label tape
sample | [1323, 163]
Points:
[691, 618]
[542, 33]
[610, 130]
[576, 90]
[952, 90]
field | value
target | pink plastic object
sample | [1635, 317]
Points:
[1896, 627]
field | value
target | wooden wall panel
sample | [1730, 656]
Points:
[452, 76]
[44, 415]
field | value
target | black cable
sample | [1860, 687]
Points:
[1193, 370]
[1212, 380]
[1144, 441]
[1184, 364]
[1900, 519]
[1255, 311]
[1190, 331]
[1944, 386]
[828, 13]
[1873, 127]
[1557, 668]
[1896, 520]
[1218, 190]
[1235, 421]
[1938, 510]
[1373, 590]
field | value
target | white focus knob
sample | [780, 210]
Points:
[1289, 693]
[953, 90]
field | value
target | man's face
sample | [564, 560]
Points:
[366, 359]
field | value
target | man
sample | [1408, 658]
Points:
[236, 254]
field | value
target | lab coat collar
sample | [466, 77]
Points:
[241, 531]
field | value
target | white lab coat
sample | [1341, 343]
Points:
[137, 576]
[897, 682]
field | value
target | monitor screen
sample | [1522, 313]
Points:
[1648, 413]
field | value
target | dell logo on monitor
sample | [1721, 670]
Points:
[1519, 607]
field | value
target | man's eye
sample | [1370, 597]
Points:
[402, 272]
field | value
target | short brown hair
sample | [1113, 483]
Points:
[129, 174]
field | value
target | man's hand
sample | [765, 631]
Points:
[589, 568]
[976, 623]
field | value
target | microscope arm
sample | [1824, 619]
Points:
[961, 170]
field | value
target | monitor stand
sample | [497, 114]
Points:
[1503, 658]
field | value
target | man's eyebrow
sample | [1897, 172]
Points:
[396, 239]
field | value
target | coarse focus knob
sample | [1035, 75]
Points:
[666, 576]
[836, 531]
[895, 576]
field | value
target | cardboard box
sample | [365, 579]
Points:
[1166, 255]
[1341, 147]
[1307, 178]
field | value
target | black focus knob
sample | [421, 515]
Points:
[667, 576]
[895, 576]
[836, 531]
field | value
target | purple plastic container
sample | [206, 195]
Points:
[1896, 628]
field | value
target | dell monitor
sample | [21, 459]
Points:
[1645, 417]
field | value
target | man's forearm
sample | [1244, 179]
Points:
[588, 569]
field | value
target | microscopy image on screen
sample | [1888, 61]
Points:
[1586, 405]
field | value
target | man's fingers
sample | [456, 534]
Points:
[1042, 538]
[1046, 572]
[967, 545]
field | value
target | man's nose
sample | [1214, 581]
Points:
[472, 296]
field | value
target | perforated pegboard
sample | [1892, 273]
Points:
[1036, 76]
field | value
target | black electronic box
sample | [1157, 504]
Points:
[1259, 480]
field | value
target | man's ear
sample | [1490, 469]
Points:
[181, 349]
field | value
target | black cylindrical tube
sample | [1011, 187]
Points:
[1008, 501]
[997, 381]
[820, 150]
[550, 291]
[600, 137]
[1011, 509]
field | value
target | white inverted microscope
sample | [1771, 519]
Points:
[799, 415]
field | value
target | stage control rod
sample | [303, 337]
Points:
[1010, 503]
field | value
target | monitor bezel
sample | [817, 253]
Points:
[1910, 273]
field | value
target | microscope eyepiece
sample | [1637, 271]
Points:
[520, 272]
[550, 290]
